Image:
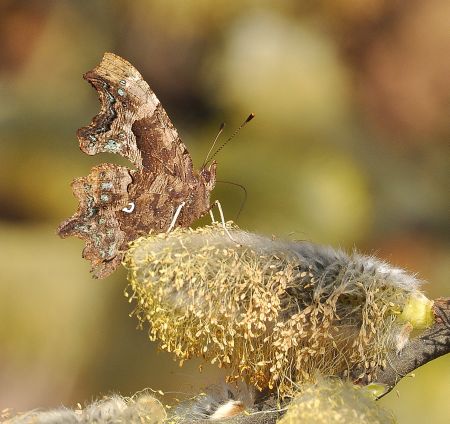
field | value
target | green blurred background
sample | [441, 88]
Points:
[349, 147]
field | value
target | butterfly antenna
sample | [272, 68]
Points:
[249, 118]
[244, 200]
[222, 126]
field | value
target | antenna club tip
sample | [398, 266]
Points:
[250, 117]
[222, 126]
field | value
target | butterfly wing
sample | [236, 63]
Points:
[101, 194]
[132, 121]
[117, 204]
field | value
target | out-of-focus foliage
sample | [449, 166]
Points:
[348, 148]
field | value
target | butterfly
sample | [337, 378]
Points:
[118, 204]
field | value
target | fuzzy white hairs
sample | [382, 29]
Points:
[274, 312]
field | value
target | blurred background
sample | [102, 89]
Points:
[349, 147]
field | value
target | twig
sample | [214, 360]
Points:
[431, 344]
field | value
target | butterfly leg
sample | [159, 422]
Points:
[175, 217]
[222, 218]
[213, 220]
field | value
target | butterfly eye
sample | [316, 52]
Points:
[206, 175]
[129, 208]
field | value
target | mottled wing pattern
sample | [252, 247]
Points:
[132, 121]
[117, 204]
[100, 195]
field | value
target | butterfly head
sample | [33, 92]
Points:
[208, 176]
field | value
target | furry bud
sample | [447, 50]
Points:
[276, 312]
[141, 409]
[335, 402]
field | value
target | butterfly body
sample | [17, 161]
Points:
[118, 204]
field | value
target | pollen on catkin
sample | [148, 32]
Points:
[333, 401]
[274, 312]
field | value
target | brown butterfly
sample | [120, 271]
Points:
[117, 204]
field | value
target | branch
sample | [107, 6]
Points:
[431, 344]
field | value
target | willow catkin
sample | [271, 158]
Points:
[275, 312]
[332, 401]
[328, 401]
[142, 408]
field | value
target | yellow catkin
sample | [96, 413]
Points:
[260, 308]
[335, 402]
